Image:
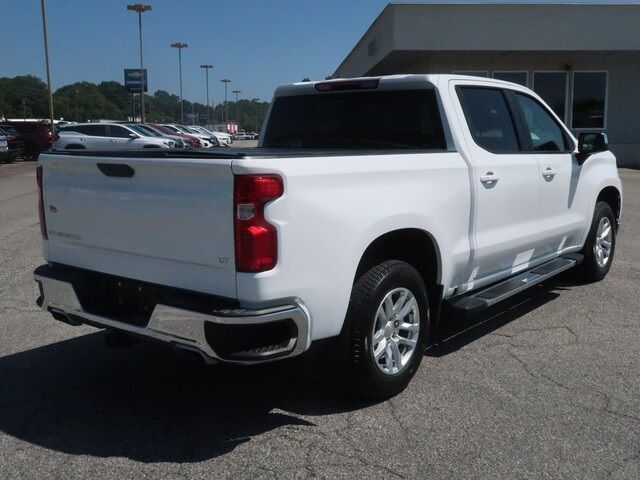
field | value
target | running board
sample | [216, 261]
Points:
[477, 301]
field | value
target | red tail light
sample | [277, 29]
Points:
[256, 240]
[43, 224]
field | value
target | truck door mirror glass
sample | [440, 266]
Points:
[591, 142]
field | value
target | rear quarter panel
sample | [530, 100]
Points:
[334, 207]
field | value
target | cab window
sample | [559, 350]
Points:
[545, 133]
[489, 119]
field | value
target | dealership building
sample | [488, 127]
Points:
[582, 59]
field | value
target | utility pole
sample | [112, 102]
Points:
[237, 107]
[206, 71]
[77, 114]
[46, 60]
[140, 8]
[180, 46]
[226, 107]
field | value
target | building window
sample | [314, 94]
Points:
[552, 88]
[514, 77]
[589, 99]
[473, 73]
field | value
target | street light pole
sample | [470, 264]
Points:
[237, 107]
[140, 8]
[256, 100]
[77, 114]
[180, 46]
[46, 60]
[206, 71]
[226, 105]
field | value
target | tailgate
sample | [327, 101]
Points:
[170, 223]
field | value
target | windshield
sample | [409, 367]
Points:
[172, 128]
[387, 119]
[142, 131]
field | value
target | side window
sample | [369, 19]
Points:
[546, 135]
[92, 130]
[119, 132]
[489, 119]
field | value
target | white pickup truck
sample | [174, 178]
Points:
[369, 204]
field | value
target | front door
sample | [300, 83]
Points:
[563, 200]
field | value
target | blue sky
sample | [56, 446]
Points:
[258, 44]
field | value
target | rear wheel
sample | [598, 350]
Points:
[600, 245]
[388, 323]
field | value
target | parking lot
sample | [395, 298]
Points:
[546, 386]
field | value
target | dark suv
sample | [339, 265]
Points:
[14, 143]
[37, 137]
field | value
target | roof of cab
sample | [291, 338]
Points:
[390, 82]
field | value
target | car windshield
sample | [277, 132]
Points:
[372, 119]
[144, 130]
[172, 128]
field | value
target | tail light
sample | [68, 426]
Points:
[256, 240]
[43, 223]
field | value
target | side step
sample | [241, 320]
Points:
[480, 300]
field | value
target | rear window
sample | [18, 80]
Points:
[403, 119]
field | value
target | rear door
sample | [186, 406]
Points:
[121, 139]
[159, 220]
[506, 184]
[94, 137]
[563, 203]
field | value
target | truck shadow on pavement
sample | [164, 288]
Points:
[146, 404]
[149, 405]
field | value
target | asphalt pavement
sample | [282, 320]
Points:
[546, 386]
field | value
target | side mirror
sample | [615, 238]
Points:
[591, 142]
[133, 135]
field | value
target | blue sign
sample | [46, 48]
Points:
[132, 80]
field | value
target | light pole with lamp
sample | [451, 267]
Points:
[226, 107]
[180, 46]
[46, 60]
[257, 117]
[206, 71]
[237, 107]
[140, 8]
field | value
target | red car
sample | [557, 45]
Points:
[37, 137]
[170, 131]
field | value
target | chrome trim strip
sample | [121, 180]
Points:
[184, 328]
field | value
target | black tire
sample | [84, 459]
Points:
[590, 269]
[363, 375]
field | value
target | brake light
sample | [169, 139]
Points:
[340, 86]
[43, 223]
[256, 240]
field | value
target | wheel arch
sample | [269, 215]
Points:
[613, 197]
[415, 246]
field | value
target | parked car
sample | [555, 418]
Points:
[171, 130]
[106, 136]
[223, 139]
[346, 232]
[147, 131]
[207, 140]
[15, 144]
[36, 136]
[244, 136]
[4, 150]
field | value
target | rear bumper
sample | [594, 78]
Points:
[205, 332]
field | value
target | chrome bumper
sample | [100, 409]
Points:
[182, 328]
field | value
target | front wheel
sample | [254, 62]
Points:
[388, 319]
[600, 245]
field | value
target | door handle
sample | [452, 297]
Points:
[548, 172]
[114, 140]
[83, 139]
[489, 179]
